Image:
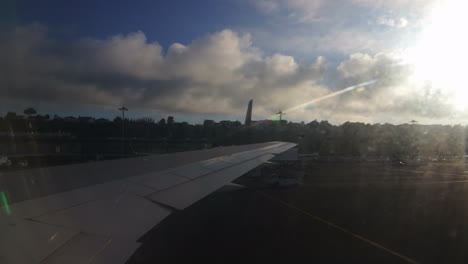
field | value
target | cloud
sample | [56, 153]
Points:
[312, 28]
[299, 11]
[395, 96]
[333, 42]
[217, 73]
[395, 5]
[267, 6]
[338, 11]
[391, 22]
[122, 54]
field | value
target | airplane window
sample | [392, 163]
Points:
[152, 131]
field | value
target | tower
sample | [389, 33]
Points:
[248, 115]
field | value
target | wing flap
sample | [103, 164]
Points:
[184, 195]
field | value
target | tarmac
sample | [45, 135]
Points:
[341, 213]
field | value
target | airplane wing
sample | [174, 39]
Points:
[96, 212]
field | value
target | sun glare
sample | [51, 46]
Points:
[441, 53]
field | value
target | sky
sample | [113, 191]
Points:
[372, 61]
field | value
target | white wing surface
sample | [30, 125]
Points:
[96, 212]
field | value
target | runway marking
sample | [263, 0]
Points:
[442, 182]
[433, 172]
[346, 231]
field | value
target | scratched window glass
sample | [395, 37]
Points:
[331, 131]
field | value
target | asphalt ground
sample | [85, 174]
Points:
[342, 213]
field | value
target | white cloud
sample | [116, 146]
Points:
[130, 54]
[391, 22]
[282, 65]
[335, 41]
[214, 59]
[302, 11]
[394, 95]
[311, 28]
[267, 6]
[335, 11]
[390, 5]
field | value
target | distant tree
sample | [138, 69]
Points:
[10, 115]
[170, 120]
[162, 122]
[208, 123]
[146, 120]
[30, 111]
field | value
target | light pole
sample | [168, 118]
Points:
[281, 113]
[123, 109]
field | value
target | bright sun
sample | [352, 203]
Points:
[441, 53]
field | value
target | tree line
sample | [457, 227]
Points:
[351, 139]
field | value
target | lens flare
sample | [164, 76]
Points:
[441, 53]
[358, 87]
[6, 206]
